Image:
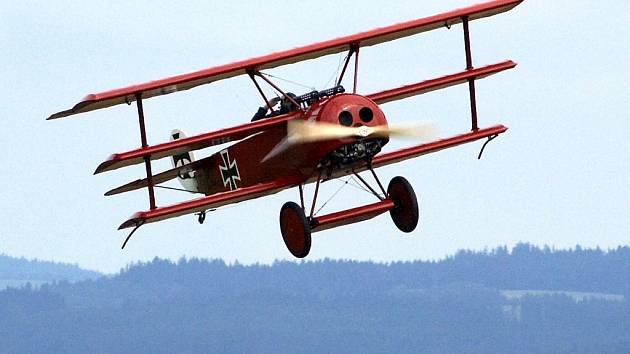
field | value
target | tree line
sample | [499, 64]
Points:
[452, 305]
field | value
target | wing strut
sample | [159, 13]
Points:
[252, 75]
[257, 73]
[471, 81]
[356, 68]
[147, 159]
[353, 49]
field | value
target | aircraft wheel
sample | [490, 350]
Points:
[405, 214]
[296, 230]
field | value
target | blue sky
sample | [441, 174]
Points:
[559, 176]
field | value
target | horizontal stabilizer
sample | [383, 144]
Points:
[159, 178]
[196, 142]
[439, 83]
[334, 46]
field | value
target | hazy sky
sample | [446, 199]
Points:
[559, 176]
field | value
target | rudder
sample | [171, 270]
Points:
[186, 179]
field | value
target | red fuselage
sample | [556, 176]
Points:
[245, 164]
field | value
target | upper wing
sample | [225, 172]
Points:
[363, 39]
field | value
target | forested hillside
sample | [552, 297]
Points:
[449, 306]
[16, 272]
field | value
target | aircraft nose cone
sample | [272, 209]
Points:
[364, 131]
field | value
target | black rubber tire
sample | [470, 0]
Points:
[295, 229]
[405, 213]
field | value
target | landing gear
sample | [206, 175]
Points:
[405, 214]
[296, 229]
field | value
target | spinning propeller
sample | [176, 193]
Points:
[299, 131]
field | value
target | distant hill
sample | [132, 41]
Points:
[16, 272]
[523, 300]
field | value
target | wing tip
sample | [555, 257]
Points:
[78, 108]
[60, 114]
[135, 220]
[106, 165]
[99, 169]
[127, 224]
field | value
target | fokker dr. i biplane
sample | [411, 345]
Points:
[312, 138]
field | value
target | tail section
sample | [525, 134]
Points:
[186, 179]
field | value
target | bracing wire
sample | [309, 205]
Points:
[335, 74]
[289, 81]
[356, 185]
[332, 196]
[178, 189]
[359, 186]
[342, 59]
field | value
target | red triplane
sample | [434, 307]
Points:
[312, 138]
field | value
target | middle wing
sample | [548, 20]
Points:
[242, 131]
[196, 142]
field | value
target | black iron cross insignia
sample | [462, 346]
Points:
[229, 171]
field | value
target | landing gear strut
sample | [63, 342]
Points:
[399, 199]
